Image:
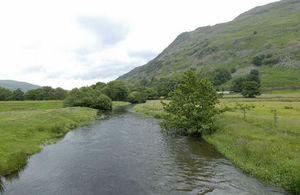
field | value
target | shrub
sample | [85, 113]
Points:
[88, 97]
[102, 102]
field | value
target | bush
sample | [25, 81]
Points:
[137, 97]
[102, 102]
[270, 61]
[192, 106]
[88, 97]
[265, 60]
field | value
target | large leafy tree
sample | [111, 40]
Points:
[4, 94]
[17, 94]
[116, 90]
[192, 107]
[250, 89]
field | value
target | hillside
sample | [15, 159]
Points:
[13, 85]
[273, 30]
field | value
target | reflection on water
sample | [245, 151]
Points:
[2, 187]
[126, 153]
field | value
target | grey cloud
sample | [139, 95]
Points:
[108, 32]
[110, 69]
[144, 54]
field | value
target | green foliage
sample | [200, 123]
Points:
[4, 94]
[238, 84]
[233, 70]
[219, 76]
[99, 85]
[265, 60]
[102, 102]
[257, 60]
[116, 90]
[17, 95]
[137, 97]
[191, 109]
[46, 93]
[250, 89]
[88, 97]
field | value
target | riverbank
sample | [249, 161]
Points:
[256, 144]
[26, 125]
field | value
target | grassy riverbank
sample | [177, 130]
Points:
[256, 144]
[26, 125]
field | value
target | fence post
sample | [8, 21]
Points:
[275, 116]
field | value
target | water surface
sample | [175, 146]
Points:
[126, 153]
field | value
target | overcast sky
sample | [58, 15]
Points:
[77, 43]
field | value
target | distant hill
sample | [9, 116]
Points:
[13, 85]
[272, 30]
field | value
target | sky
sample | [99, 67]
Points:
[62, 43]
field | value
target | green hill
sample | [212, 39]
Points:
[13, 85]
[272, 30]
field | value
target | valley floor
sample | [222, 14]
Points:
[256, 144]
[26, 125]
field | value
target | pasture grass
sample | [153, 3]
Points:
[119, 103]
[256, 144]
[29, 105]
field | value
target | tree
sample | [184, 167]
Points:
[137, 97]
[88, 97]
[238, 84]
[258, 60]
[192, 107]
[253, 76]
[116, 90]
[99, 85]
[4, 94]
[220, 76]
[59, 94]
[250, 89]
[17, 95]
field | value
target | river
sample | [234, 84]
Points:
[126, 153]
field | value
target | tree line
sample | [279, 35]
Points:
[100, 95]
[43, 93]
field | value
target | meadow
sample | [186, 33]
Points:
[256, 144]
[27, 125]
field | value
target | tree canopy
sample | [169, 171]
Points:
[192, 107]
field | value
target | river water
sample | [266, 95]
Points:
[126, 153]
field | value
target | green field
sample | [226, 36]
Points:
[26, 125]
[257, 145]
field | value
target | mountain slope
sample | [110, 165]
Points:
[13, 85]
[271, 29]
